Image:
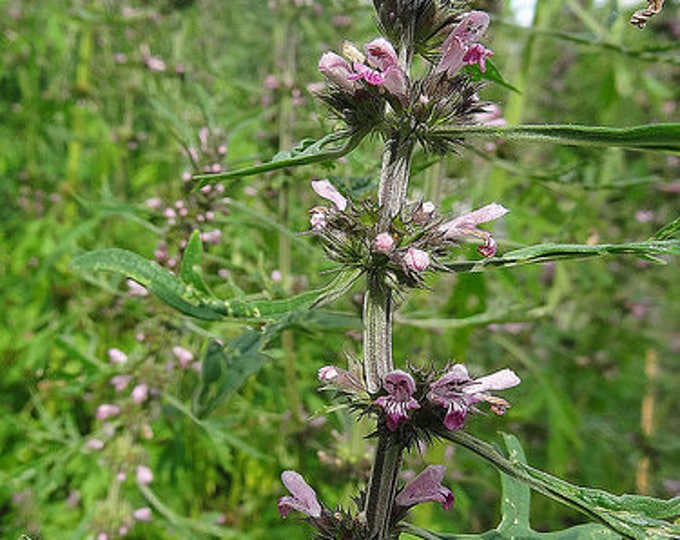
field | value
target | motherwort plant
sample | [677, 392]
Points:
[415, 86]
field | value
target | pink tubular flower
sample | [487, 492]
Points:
[302, 497]
[338, 71]
[491, 115]
[318, 218]
[457, 392]
[466, 225]
[381, 55]
[140, 393]
[135, 289]
[460, 47]
[116, 356]
[183, 356]
[144, 475]
[426, 487]
[95, 444]
[142, 514]
[400, 387]
[416, 259]
[381, 68]
[107, 410]
[120, 382]
[325, 189]
[340, 378]
[384, 242]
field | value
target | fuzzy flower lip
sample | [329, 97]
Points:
[457, 393]
[466, 225]
[338, 71]
[328, 191]
[461, 47]
[400, 387]
[302, 497]
[427, 487]
[378, 67]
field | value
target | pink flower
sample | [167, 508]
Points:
[460, 47]
[120, 382]
[135, 289]
[144, 475]
[491, 116]
[302, 497]
[116, 356]
[211, 237]
[457, 392]
[338, 71]
[426, 487]
[142, 514]
[466, 225]
[340, 378]
[318, 219]
[107, 410]
[381, 68]
[380, 54]
[477, 54]
[325, 189]
[416, 259]
[94, 444]
[384, 242]
[183, 356]
[140, 393]
[400, 387]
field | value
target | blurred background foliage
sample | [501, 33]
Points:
[107, 107]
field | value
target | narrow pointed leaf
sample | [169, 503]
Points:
[305, 153]
[192, 259]
[652, 137]
[540, 253]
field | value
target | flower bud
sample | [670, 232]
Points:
[416, 259]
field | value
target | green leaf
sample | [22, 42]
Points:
[226, 367]
[156, 279]
[339, 286]
[190, 298]
[668, 231]
[632, 516]
[190, 271]
[492, 74]
[541, 253]
[305, 153]
[652, 137]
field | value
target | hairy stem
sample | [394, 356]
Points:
[377, 336]
[383, 487]
[378, 304]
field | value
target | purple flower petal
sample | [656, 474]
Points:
[328, 191]
[427, 487]
[337, 70]
[399, 401]
[381, 55]
[302, 497]
[459, 42]
[456, 392]
[470, 220]
[500, 380]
